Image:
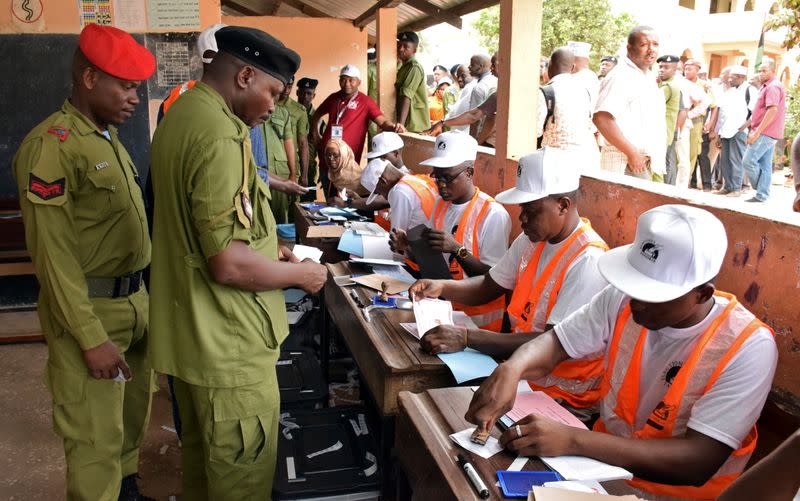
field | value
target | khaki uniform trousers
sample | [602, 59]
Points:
[280, 202]
[102, 422]
[230, 440]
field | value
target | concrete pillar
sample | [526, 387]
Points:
[386, 48]
[518, 57]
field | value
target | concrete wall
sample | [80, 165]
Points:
[762, 265]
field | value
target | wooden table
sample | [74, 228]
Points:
[389, 358]
[426, 453]
[328, 246]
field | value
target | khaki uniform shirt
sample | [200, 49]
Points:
[411, 83]
[277, 130]
[84, 217]
[300, 127]
[203, 332]
[672, 99]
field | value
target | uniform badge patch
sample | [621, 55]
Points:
[45, 190]
[59, 132]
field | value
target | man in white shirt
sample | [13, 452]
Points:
[570, 127]
[583, 74]
[410, 198]
[466, 83]
[467, 225]
[484, 71]
[628, 103]
[688, 368]
[735, 107]
[551, 268]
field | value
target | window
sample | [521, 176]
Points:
[720, 6]
[689, 4]
[749, 5]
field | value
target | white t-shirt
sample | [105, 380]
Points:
[633, 98]
[581, 282]
[405, 210]
[733, 108]
[484, 87]
[462, 105]
[590, 82]
[493, 233]
[731, 406]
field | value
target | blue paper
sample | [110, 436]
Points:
[468, 364]
[286, 231]
[333, 211]
[517, 484]
[350, 243]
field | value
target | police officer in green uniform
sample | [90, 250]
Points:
[306, 92]
[217, 311]
[279, 139]
[86, 231]
[299, 116]
[412, 93]
[667, 66]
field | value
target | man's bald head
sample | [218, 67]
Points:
[479, 64]
[562, 60]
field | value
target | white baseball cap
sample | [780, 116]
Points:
[738, 70]
[384, 143]
[371, 175]
[545, 172]
[580, 49]
[676, 249]
[350, 70]
[452, 148]
[207, 41]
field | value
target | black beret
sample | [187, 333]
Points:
[613, 59]
[260, 49]
[307, 83]
[668, 59]
[408, 36]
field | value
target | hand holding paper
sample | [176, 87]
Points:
[432, 312]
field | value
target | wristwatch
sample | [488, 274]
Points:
[349, 202]
[461, 252]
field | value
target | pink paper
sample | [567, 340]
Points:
[538, 402]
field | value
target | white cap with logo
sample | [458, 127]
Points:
[350, 70]
[545, 172]
[452, 148]
[384, 143]
[676, 248]
[370, 176]
[580, 49]
[207, 40]
[738, 70]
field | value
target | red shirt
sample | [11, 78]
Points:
[772, 94]
[354, 115]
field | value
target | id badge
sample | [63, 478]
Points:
[337, 131]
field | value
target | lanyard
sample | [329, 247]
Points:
[340, 111]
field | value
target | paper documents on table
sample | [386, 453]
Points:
[306, 251]
[462, 438]
[465, 365]
[325, 231]
[367, 228]
[583, 468]
[397, 272]
[538, 402]
[459, 318]
[376, 247]
[375, 280]
[553, 494]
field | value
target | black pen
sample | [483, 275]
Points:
[472, 475]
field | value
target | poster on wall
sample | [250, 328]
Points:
[95, 12]
[130, 16]
[172, 63]
[27, 11]
[173, 14]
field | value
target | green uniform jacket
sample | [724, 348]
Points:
[312, 148]
[300, 128]
[84, 217]
[276, 130]
[411, 83]
[205, 333]
[672, 98]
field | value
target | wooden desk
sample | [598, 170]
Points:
[388, 357]
[328, 246]
[426, 453]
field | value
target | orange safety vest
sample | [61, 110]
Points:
[574, 381]
[382, 216]
[427, 198]
[176, 93]
[620, 391]
[487, 316]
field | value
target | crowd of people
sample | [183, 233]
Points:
[677, 371]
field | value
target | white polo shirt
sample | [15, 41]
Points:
[405, 210]
[462, 105]
[581, 282]
[733, 109]
[633, 98]
[731, 406]
[493, 233]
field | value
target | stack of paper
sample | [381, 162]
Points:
[366, 246]
[367, 228]
[538, 402]
[432, 312]
[583, 468]
[307, 252]
[551, 494]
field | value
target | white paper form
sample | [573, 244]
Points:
[429, 313]
[462, 438]
[306, 251]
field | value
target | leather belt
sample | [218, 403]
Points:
[114, 287]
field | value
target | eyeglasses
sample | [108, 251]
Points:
[439, 179]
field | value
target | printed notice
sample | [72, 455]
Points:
[173, 14]
[95, 12]
[130, 16]
[172, 63]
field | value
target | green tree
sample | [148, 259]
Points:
[564, 20]
[786, 13]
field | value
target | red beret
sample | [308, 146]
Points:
[116, 52]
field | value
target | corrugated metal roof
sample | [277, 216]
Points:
[345, 9]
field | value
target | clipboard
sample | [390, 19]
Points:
[431, 262]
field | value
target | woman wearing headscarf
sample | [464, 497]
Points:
[343, 171]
